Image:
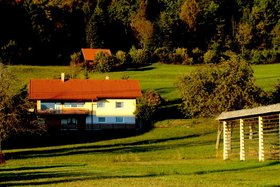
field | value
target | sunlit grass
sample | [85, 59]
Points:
[176, 153]
[160, 77]
[267, 75]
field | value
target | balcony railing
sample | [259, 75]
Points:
[64, 111]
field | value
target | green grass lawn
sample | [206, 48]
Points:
[175, 153]
[267, 75]
[160, 77]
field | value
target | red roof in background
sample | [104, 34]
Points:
[78, 89]
[90, 54]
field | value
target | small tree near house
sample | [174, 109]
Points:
[14, 115]
[7, 118]
[147, 106]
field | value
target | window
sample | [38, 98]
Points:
[119, 120]
[119, 104]
[47, 106]
[69, 123]
[74, 105]
[101, 119]
[100, 104]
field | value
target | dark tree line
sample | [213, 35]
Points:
[173, 31]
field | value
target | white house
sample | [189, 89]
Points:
[85, 104]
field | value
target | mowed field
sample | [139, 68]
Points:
[178, 152]
[175, 153]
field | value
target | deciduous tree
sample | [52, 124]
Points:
[14, 105]
[244, 35]
[7, 118]
[213, 89]
[142, 27]
[189, 13]
[95, 28]
[147, 106]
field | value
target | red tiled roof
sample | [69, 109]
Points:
[90, 54]
[78, 89]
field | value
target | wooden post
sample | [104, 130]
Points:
[38, 105]
[261, 145]
[226, 133]
[242, 143]
[229, 126]
[251, 132]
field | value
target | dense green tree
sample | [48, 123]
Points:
[210, 90]
[244, 35]
[49, 31]
[142, 27]
[139, 57]
[7, 119]
[96, 27]
[264, 16]
[147, 106]
[189, 13]
[169, 29]
[15, 117]
[120, 35]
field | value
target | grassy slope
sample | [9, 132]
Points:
[267, 75]
[180, 153]
[160, 77]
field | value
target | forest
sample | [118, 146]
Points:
[48, 32]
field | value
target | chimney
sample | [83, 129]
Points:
[107, 77]
[62, 77]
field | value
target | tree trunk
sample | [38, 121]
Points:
[219, 133]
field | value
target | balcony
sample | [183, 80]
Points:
[77, 111]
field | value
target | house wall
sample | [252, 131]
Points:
[128, 109]
[121, 116]
[110, 113]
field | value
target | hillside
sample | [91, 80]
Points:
[160, 77]
[175, 153]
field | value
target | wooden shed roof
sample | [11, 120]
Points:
[90, 54]
[78, 89]
[245, 113]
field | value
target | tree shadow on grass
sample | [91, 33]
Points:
[68, 138]
[34, 167]
[145, 68]
[43, 175]
[133, 147]
[237, 169]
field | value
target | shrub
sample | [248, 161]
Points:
[264, 56]
[75, 65]
[178, 56]
[212, 89]
[209, 57]
[139, 57]
[197, 55]
[75, 58]
[105, 63]
[163, 54]
[148, 105]
[182, 57]
[123, 60]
